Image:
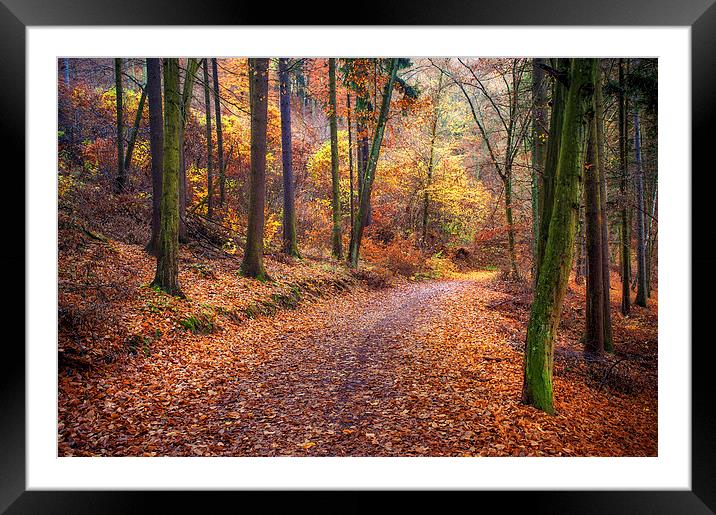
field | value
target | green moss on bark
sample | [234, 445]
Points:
[557, 261]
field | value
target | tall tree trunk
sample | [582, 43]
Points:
[350, 162]
[156, 142]
[601, 166]
[539, 147]
[507, 183]
[641, 241]
[134, 131]
[364, 205]
[651, 236]
[335, 179]
[580, 266]
[209, 145]
[431, 160]
[594, 332]
[623, 190]
[67, 72]
[187, 90]
[253, 262]
[363, 119]
[290, 245]
[555, 267]
[219, 133]
[120, 179]
[550, 166]
[167, 275]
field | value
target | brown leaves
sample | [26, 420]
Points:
[421, 369]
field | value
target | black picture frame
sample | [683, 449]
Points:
[16, 15]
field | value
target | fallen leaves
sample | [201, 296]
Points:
[431, 368]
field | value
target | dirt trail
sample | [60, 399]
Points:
[339, 386]
[423, 369]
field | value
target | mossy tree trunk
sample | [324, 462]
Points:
[219, 133]
[290, 244]
[546, 197]
[337, 244]
[121, 178]
[209, 144]
[167, 275]
[156, 142]
[539, 147]
[555, 267]
[370, 166]
[253, 262]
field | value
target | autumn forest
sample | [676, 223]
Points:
[446, 256]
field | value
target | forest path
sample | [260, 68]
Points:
[358, 384]
[423, 369]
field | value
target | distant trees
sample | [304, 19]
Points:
[431, 158]
[368, 175]
[555, 267]
[290, 243]
[252, 264]
[490, 136]
[167, 274]
[512, 120]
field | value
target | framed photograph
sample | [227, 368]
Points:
[370, 241]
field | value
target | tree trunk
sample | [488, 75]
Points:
[133, 133]
[219, 133]
[350, 162]
[67, 72]
[253, 262]
[641, 241]
[187, 90]
[431, 160]
[594, 332]
[120, 179]
[167, 275]
[550, 166]
[580, 245]
[209, 145]
[651, 236]
[623, 190]
[601, 167]
[364, 204]
[290, 245]
[555, 267]
[156, 142]
[539, 147]
[507, 183]
[335, 179]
